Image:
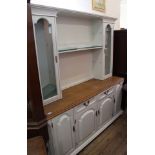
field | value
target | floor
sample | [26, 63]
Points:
[112, 141]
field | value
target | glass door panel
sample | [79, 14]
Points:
[43, 35]
[107, 50]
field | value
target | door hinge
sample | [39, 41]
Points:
[75, 121]
[56, 59]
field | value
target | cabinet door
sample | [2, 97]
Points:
[64, 139]
[47, 57]
[118, 98]
[108, 49]
[85, 123]
[106, 109]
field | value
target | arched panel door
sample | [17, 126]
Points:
[108, 40]
[85, 123]
[46, 58]
[108, 49]
[64, 139]
[106, 109]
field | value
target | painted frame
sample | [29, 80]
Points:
[98, 5]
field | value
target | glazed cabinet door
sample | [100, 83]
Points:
[108, 49]
[47, 57]
[85, 116]
[63, 133]
[118, 97]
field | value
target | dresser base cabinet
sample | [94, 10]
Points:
[71, 131]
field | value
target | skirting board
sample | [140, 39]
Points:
[77, 150]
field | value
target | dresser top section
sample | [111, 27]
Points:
[78, 94]
[54, 11]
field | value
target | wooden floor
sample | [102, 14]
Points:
[112, 141]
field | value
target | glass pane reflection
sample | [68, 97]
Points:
[45, 58]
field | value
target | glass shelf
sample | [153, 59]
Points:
[67, 50]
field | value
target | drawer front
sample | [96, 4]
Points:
[106, 93]
[85, 105]
[110, 91]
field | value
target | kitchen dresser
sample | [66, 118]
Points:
[74, 52]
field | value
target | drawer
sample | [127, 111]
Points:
[121, 83]
[84, 105]
[110, 91]
[106, 93]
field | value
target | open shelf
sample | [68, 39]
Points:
[67, 50]
[79, 34]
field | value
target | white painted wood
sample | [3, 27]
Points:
[43, 10]
[106, 75]
[99, 58]
[73, 11]
[108, 92]
[75, 68]
[106, 108]
[99, 71]
[90, 139]
[118, 98]
[75, 33]
[85, 122]
[112, 44]
[81, 31]
[80, 49]
[84, 106]
[64, 138]
[52, 22]
[52, 146]
[98, 64]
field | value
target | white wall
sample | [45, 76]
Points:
[112, 7]
[123, 14]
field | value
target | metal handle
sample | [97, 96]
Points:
[56, 59]
[105, 93]
[73, 128]
[85, 104]
[98, 112]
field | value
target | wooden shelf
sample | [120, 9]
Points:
[68, 50]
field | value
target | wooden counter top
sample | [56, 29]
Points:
[78, 94]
